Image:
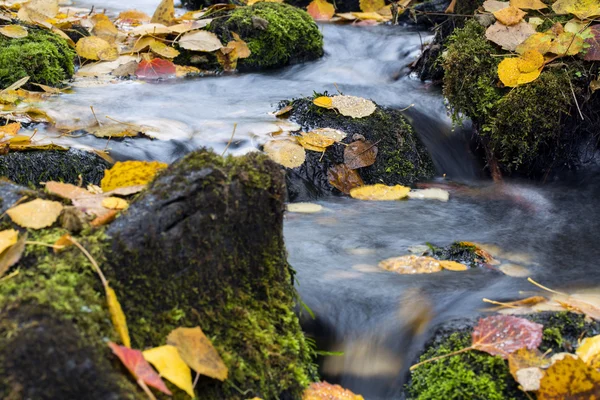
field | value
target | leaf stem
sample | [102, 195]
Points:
[89, 257]
[440, 357]
[545, 288]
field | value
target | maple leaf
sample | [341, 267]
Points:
[320, 10]
[138, 366]
[156, 68]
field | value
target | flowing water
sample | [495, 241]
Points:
[367, 313]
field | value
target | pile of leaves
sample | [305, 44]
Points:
[371, 11]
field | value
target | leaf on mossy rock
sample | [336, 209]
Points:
[380, 192]
[138, 366]
[8, 237]
[352, 106]
[589, 351]
[12, 254]
[323, 101]
[156, 68]
[528, 4]
[14, 31]
[582, 9]
[593, 51]
[200, 41]
[327, 391]
[198, 352]
[567, 44]
[320, 10]
[117, 316]
[315, 140]
[494, 5]
[343, 178]
[170, 365]
[36, 214]
[241, 48]
[519, 71]
[130, 173]
[510, 15]
[334, 134]
[411, 264]
[525, 366]
[286, 153]
[509, 37]
[570, 378]
[164, 13]
[360, 154]
[501, 335]
[371, 5]
[95, 48]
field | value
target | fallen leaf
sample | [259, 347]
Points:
[323, 101]
[151, 29]
[525, 366]
[170, 365]
[107, 67]
[570, 378]
[133, 16]
[286, 153]
[65, 190]
[589, 351]
[200, 41]
[380, 192]
[567, 44]
[130, 173]
[334, 134]
[369, 16]
[320, 10]
[62, 243]
[494, 5]
[371, 5]
[126, 190]
[14, 31]
[327, 391]
[115, 130]
[190, 25]
[430, 193]
[138, 366]
[36, 214]
[106, 30]
[8, 237]
[40, 10]
[528, 4]
[156, 68]
[114, 203]
[304, 208]
[11, 255]
[452, 265]
[165, 13]
[117, 316]
[509, 37]
[95, 48]
[360, 154]
[285, 110]
[352, 106]
[105, 219]
[411, 264]
[198, 352]
[241, 48]
[343, 178]
[501, 335]
[593, 51]
[312, 140]
[10, 129]
[510, 15]
[582, 9]
[519, 71]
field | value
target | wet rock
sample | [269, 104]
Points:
[401, 157]
[29, 168]
[202, 246]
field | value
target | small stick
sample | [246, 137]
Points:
[58, 247]
[11, 275]
[93, 112]
[230, 140]
[545, 288]
[440, 357]
[498, 303]
[576, 102]
[196, 380]
[146, 389]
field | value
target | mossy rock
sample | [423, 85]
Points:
[478, 375]
[43, 56]
[29, 168]
[401, 159]
[531, 129]
[277, 35]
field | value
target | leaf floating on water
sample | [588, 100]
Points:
[589, 351]
[8, 237]
[200, 41]
[117, 316]
[156, 68]
[11, 255]
[510, 15]
[138, 366]
[343, 178]
[509, 37]
[360, 154]
[14, 31]
[286, 153]
[452, 265]
[371, 5]
[352, 106]
[170, 365]
[305, 208]
[320, 10]
[165, 13]
[569, 378]
[380, 192]
[327, 391]
[501, 335]
[323, 101]
[130, 173]
[411, 264]
[582, 9]
[36, 214]
[198, 352]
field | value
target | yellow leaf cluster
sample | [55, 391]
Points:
[518, 71]
[380, 192]
[36, 214]
[130, 173]
[371, 5]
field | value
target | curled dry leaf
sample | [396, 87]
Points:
[10, 129]
[509, 37]
[360, 154]
[323, 101]
[509, 15]
[501, 335]
[130, 173]
[12, 254]
[14, 31]
[320, 10]
[170, 365]
[343, 178]
[105, 219]
[200, 41]
[411, 264]
[380, 192]
[36, 214]
[286, 153]
[352, 106]
[569, 378]
[62, 243]
[327, 391]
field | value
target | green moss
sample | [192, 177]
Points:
[43, 56]
[462, 252]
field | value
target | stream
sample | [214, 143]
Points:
[367, 313]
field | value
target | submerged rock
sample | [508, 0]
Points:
[202, 246]
[401, 156]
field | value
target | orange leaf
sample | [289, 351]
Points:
[501, 335]
[320, 10]
[570, 378]
[156, 68]
[327, 391]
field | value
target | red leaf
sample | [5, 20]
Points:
[593, 52]
[138, 366]
[155, 69]
[501, 335]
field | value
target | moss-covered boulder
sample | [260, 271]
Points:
[401, 159]
[479, 376]
[277, 35]
[43, 56]
[29, 168]
[202, 246]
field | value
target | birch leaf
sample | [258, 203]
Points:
[200, 41]
[170, 365]
[36, 214]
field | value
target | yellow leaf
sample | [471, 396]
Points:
[567, 44]
[134, 16]
[62, 243]
[14, 31]
[286, 153]
[163, 50]
[334, 134]
[589, 351]
[453, 265]
[369, 16]
[314, 139]
[10, 129]
[117, 316]
[165, 13]
[570, 378]
[518, 71]
[251, 2]
[36, 214]
[41, 10]
[323, 101]
[241, 47]
[509, 15]
[106, 30]
[320, 10]
[95, 48]
[380, 192]
[352, 106]
[142, 44]
[528, 4]
[200, 41]
[170, 365]
[130, 173]
[581, 8]
[327, 391]
[198, 352]
[530, 61]
[371, 5]
[411, 265]
[8, 237]
[12, 254]
[114, 203]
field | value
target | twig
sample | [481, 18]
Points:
[576, 102]
[196, 380]
[412, 368]
[54, 246]
[11, 275]
[545, 288]
[230, 140]
[93, 112]
[498, 303]
[89, 257]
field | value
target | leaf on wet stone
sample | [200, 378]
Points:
[411, 264]
[510, 15]
[501, 335]
[304, 208]
[494, 5]
[200, 41]
[156, 68]
[380, 192]
[570, 378]
[320, 10]
[14, 31]
[582, 9]
[285, 152]
[115, 130]
[323, 101]
[10, 129]
[133, 16]
[65, 190]
[519, 71]
[95, 48]
[528, 4]
[114, 203]
[452, 265]
[314, 141]
[327, 391]
[352, 106]
[525, 366]
[360, 154]
[343, 178]
[130, 173]
[11, 255]
[334, 134]
[135, 362]
[371, 5]
[593, 51]
[8, 237]
[170, 365]
[198, 352]
[36, 214]
[509, 37]
[589, 351]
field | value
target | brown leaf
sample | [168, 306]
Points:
[525, 366]
[509, 37]
[65, 190]
[593, 51]
[343, 178]
[360, 154]
[105, 218]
